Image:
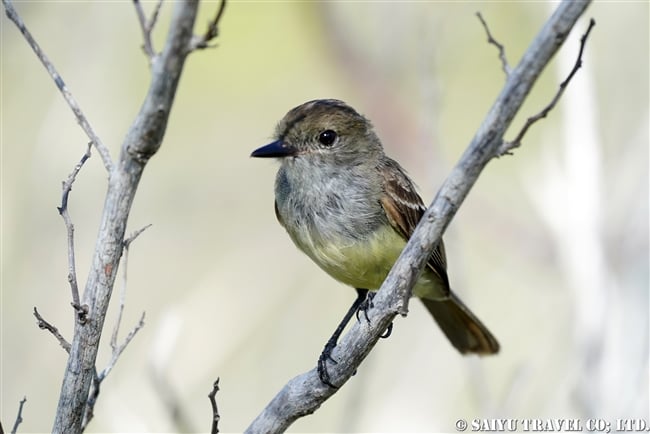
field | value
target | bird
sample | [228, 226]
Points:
[351, 209]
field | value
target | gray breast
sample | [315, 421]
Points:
[334, 203]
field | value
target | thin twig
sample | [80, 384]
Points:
[502, 50]
[135, 235]
[19, 416]
[81, 118]
[201, 42]
[507, 147]
[215, 411]
[125, 261]
[44, 325]
[118, 350]
[147, 26]
[93, 394]
[82, 311]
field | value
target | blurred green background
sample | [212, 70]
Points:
[550, 249]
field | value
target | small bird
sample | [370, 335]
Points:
[352, 209]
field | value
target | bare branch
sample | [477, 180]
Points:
[63, 212]
[305, 393]
[502, 50]
[125, 262]
[507, 147]
[81, 118]
[142, 141]
[147, 26]
[89, 410]
[19, 416]
[117, 351]
[93, 394]
[44, 325]
[135, 235]
[215, 411]
[201, 42]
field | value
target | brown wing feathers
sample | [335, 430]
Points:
[404, 209]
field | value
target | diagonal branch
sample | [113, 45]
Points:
[44, 325]
[19, 416]
[507, 147]
[305, 393]
[81, 118]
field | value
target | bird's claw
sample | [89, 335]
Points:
[322, 364]
[365, 305]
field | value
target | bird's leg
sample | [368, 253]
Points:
[331, 343]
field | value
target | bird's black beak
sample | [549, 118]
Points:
[277, 149]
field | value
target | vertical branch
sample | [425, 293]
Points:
[63, 212]
[214, 429]
[142, 141]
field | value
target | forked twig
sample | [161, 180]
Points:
[202, 41]
[147, 27]
[507, 146]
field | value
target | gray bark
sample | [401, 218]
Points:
[142, 141]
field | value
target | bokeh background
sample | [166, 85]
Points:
[550, 249]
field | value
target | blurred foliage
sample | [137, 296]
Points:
[226, 294]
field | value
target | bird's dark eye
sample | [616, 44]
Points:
[327, 137]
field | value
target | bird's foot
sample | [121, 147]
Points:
[326, 356]
[367, 304]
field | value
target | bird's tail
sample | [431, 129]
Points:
[463, 329]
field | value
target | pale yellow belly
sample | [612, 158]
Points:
[366, 263]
